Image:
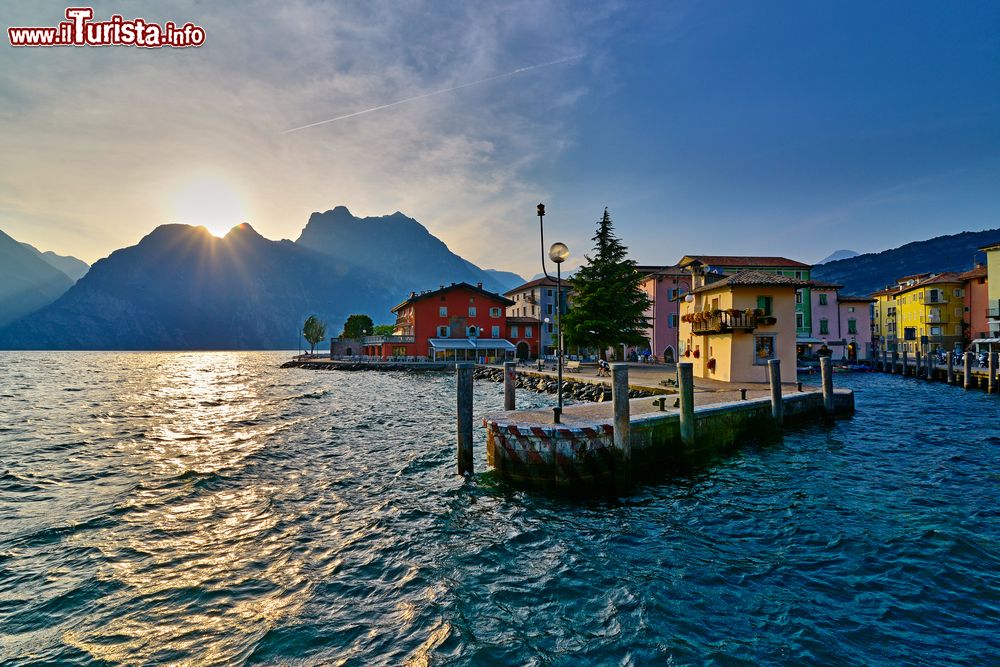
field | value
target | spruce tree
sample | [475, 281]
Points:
[608, 305]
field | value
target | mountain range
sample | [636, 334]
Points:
[30, 279]
[182, 288]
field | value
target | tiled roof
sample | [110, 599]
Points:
[543, 282]
[991, 246]
[819, 284]
[447, 288]
[847, 297]
[523, 320]
[934, 279]
[750, 278]
[978, 272]
[734, 260]
[668, 270]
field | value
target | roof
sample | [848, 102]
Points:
[471, 344]
[991, 246]
[893, 289]
[543, 282]
[523, 320]
[934, 279]
[978, 272]
[741, 261]
[749, 278]
[843, 297]
[668, 270]
[414, 297]
[819, 284]
[915, 276]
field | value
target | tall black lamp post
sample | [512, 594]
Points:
[558, 253]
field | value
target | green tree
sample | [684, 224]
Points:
[383, 329]
[609, 304]
[314, 331]
[357, 326]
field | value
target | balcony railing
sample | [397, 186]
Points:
[725, 322]
[387, 340]
[993, 312]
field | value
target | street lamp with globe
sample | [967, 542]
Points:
[558, 253]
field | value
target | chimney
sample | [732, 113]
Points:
[412, 294]
[479, 285]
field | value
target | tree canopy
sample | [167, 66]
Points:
[314, 331]
[383, 329]
[608, 305]
[357, 326]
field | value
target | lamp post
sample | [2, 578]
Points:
[558, 253]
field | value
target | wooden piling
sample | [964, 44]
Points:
[885, 361]
[916, 365]
[621, 425]
[992, 383]
[774, 377]
[895, 360]
[509, 385]
[967, 374]
[906, 354]
[928, 367]
[826, 375]
[951, 368]
[463, 373]
[685, 385]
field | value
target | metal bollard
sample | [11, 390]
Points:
[463, 374]
[774, 377]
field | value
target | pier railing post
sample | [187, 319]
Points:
[685, 385]
[622, 437]
[951, 367]
[906, 354]
[509, 383]
[463, 373]
[895, 360]
[774, 377]
[826, 374]
[967, 370]
[992, 385]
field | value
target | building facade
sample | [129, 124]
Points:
[664, 286]
[931, 313]
[524, 333]
[993, 289]
[841, 322]
[537, 299]
[977, 296]
[457, 322]
[884, 325]
[732, 327]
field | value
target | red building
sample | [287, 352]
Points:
[454, 323]
[524, 333]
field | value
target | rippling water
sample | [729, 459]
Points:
[214, 509]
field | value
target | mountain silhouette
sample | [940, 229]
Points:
[27, 281]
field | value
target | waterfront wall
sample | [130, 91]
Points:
[584, 458]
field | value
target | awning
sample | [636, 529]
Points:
[986, 341]
[493, 344]
[451, 343]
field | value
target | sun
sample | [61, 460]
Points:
[208, 200]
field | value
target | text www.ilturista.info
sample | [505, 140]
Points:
[80, 30]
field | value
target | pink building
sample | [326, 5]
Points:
[842, 322]
[663, 286]
[977, 299]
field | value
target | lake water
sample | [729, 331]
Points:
[214, 509]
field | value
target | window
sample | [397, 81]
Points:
[959, 292]
[958, 312]
[764, 303]
[798, 297]
[673, 293]
[935, 331]
[850, 309]
[548, 292]
[443, 311]
[798, 274]
[473, 332]
[513, 331]
[472, 311]
[909, 333]
[852, 326]
[549, 327]
[673, 321]
[822, 299]
[763, 349]
[799, 320]
[548, 309]
[495, 331]
[494, 312]
[824, 327]
[528, 332]
[442, 332]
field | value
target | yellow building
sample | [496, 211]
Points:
[731, 327]
[993, 285]
[884, 334]
[930, 312]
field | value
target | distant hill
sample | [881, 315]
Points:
[182, 288]
[507, 279]
[27, 281]
[838, 254]
[396, 247]
[870, 272]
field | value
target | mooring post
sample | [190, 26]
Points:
[950, 372]
[826, 374]
[895, 360]
[916, 365]
[992, 385]
[885, 361]
[906, 353]
[623, 443]
[509, 383]
[685, 384]
[967, 374]
[463, 373]
[774, 376]
[929, 366]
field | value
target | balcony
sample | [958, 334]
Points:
[725, 322]
[993, 312]
[387, 340]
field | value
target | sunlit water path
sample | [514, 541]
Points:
[214, 509]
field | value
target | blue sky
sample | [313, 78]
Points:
[791, 128]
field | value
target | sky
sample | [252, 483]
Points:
[778, 128]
